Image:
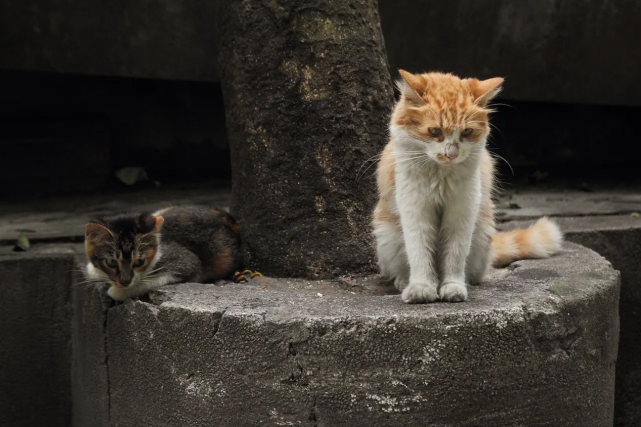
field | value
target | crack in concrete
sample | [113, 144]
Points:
[312, 415]
[218, 320]
[302, 381]
[550, 339]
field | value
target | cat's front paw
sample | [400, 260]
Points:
[453, 292]
[116, 293]
[418, 293]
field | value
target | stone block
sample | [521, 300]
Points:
[618, 239]
[35, 352]
[89, 370]
[536, 345]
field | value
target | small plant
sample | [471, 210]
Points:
[23, 243]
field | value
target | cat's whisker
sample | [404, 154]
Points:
[497, 129]
[490, 139]
[503, 158]
[502, 104]
[409, 160]
[379, 157]
[395, 163]
[88, 282]
[155, 270]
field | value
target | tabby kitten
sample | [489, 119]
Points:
[434, 221]
[137, 252]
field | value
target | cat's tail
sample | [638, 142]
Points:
[540, 240]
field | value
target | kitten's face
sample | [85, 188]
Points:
[442, 116]
[124, 247]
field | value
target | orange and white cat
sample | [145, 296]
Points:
[434, 221]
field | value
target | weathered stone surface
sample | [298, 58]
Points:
[161, 39]
[534, 346]
[176, 40]
[304, 112]
[35, 350]
[618, 239]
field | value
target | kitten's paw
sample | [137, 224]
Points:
[418, 293]
[116, 293]
[453, 292]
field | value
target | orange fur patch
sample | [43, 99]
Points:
[540, 240]
[159, 222]
[446, 102]
[151, 253]
[222, 264]
[386, 178]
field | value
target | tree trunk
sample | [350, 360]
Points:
[308, 95]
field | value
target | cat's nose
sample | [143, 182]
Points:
[451, 151]
[125, 281]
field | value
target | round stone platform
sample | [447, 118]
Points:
[535, 345]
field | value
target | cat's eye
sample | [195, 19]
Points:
[111, 263]
[139, 262]
[435, 131]
[467, 132]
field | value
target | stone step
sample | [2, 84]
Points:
[64, 219]
[536, 345]
[618, 239]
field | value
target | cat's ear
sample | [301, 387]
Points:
[147, 223]
[95, 234]
[411, 86]
[159, 222]
[95, 231]
[485, 90]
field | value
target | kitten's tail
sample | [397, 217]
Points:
[540, 240]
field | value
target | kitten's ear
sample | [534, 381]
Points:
[485, 90]
[95, 231]
[159, 222]
[149, 223]
[146, 223]
[412, 86]
[95, 234]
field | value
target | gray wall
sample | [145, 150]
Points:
[572, 51]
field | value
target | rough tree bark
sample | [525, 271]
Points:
[307, 94]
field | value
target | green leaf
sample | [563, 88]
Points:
[635, 215]
[23, 242]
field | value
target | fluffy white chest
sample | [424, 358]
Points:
[436, 185]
